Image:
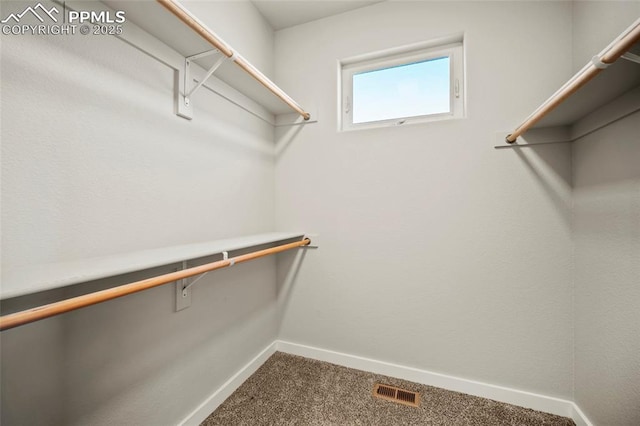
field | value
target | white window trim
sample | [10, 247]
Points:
[385, 60]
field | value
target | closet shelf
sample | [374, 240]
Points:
[183, 294]
[187, 35]
[612, 76]
[29, 279]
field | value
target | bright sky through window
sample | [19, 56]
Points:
[410, 90]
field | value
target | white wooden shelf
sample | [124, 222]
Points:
[605, 90]
[30, 279]
[158, 22]
[620, 78]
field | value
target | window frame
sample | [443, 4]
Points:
[383, 60]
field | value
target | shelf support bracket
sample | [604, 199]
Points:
[631, 57]
[183, 290]
[185, 81]
[183, 286]
[187, 72]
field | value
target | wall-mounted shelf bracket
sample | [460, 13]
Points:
[183, 290]
[183, 287]
[187, 72]
[631, 57]
[184, 87]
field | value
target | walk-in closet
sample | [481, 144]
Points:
[320, 212]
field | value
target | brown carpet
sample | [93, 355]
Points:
[291, 390]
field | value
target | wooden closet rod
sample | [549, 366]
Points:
[195, 24]
[607, 57]
[56, 308]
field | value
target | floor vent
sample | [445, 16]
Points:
[401, 396]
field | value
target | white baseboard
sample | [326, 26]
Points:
[520, 398]
[547, 404]
[198, 415]
[578, 416]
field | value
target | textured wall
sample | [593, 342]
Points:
[438, 252]
[606, 179]
[598, 23]
[94, 162]
[240, 24]
[607, 256]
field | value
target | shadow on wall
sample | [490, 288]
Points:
[285, 137]
[289, 265]
[31, 360]
[137, 104]
[549, 141]
[606, 197]
[96, 362]
[557, 195]
[614, 161]
[550, 165]
[607, 181]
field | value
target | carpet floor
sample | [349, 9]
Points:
[292, 390]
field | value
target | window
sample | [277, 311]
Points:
[414, 84]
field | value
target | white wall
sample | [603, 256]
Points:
[598, 23]
[606, 179]
[607, 252]
[95, 162]
[437, 252]
[240, 24]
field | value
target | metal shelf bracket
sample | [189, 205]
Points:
[631, 57]
[187, 72]
[183, 286]
[185, 80]
[183, 290]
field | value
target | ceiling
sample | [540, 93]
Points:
[287, 13]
